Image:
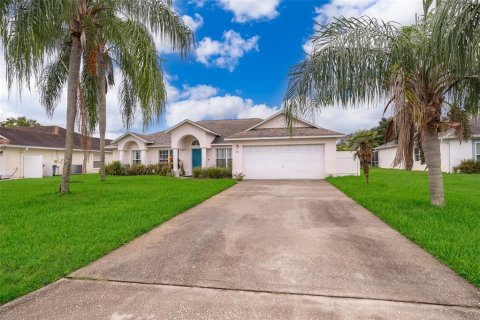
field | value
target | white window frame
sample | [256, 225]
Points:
[96, 160]
[416, 154]
[162, 159]
[223, 154]
[477, 150]
[136, 160]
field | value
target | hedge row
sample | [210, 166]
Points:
[212, 173]
[115, 168]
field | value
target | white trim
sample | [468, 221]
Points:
[279, 113]
[221, 144]
[284, 138]
[44, 148]
[192, 123]
[129, 133]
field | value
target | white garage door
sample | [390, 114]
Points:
[284, 162]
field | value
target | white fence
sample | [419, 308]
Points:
[347, 164]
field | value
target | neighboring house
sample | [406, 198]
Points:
[38, 151]
[260, 149]
[451, 149]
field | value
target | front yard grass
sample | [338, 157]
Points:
[45, 236]
[400, 198]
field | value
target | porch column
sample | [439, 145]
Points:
[204, 157]
[121, 156]
[175, 161]
[143, 156]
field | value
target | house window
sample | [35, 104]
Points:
[477, 151]
[164, 156]
[416, 154]
[96, 161]
[195, 143]
[224, 157]
[136, 156]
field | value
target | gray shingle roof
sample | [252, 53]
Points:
[228, 127]
[235, 128]
[282, 132]
[43, 136]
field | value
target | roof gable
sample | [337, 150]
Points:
[186, 121]
[278, 120]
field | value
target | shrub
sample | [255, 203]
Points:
[468, 166]
[115, 168]
[239, 176]
[212, 173]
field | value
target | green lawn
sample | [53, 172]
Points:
[400, 198]
[44, 236]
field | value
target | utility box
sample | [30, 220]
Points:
[47, 170]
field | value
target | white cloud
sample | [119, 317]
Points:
[197, 3]
[348, 120]
[202, 102]
[194, 23]
[225, 54]
[249, 10]
[401, 11]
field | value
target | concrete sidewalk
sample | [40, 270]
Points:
[261, 250]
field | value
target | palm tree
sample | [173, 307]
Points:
[362, 142]
[70, 37]
[125, 45]
[359, 60]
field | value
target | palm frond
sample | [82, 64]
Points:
[349, 65]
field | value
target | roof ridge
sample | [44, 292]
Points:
[229, 119]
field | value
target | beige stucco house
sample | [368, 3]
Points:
[38, 151]
[452, 151]
[260, 149]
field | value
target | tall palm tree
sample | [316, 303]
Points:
[359, 60]
[69, 36]
[115, 43]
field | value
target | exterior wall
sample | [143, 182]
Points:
[12, 159]
[185, 130]
[279, 122]
[127, 145]
[347, 164]
[330, 151]
[452, 152]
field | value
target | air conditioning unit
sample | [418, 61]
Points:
[77, 169]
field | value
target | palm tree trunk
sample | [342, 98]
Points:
[431, 148]
[102, 109]
[72, 95]
[409, 153]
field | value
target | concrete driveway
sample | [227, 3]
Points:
[261, 250]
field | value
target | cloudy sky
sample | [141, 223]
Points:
[239, 67]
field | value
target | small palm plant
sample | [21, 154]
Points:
[362, 143]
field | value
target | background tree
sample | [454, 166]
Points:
[422, 68]
[19, 122]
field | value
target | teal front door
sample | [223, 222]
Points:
[196, 158]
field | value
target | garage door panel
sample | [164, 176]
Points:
[284, 162]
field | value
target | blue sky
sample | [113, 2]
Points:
[239, 67]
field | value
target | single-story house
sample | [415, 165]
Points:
[38, 152]
[257, 148]
[452, 151]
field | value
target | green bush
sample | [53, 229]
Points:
[468, 166]
[115, 168]
[212, 173]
